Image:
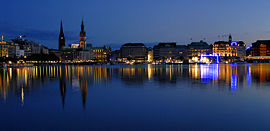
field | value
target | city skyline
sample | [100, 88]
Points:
[141, 21]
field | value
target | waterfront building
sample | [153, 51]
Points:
[196, 49]
[10, 49]
[30, 47]
[14, 50]
[134, 51]
[230, 49]
[81, 52]
[39, 49]
[165, 51]
[115, 56]
[241, 50]
[249, 51]
[150, 55]
[55, 52]
[85, 55]
[26, 46]
[77, 55]
[101, 54]
[82, 36]
[261, 48]
[19, 52]
[69, 55]
[61, 39]
[181, 51]
[4, 48]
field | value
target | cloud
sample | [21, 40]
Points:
[46, 37]
[35, 33]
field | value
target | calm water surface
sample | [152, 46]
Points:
[141, 97]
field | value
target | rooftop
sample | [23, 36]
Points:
[133, 44]
[170, 44]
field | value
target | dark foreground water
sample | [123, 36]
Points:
[142, 97]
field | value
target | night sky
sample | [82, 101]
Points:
[114, 22]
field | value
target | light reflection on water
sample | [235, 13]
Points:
[21, 86]
[78, 77]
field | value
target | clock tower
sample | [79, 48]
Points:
[82, 37]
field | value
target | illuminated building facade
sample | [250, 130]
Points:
[230, 49]
[10, 49]
[261, 48]
[223, 48]
[101, 54]
[74, 46]
[82, 37]
[76, 55]
[29, 47]
[134, 51]
[4, 48]
[150, 55]
[196, 49]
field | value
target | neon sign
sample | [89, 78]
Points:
[234, 43]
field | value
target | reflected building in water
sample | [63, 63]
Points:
[21, 81]
[62, 81]
[84, 91]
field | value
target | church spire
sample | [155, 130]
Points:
[82, 26]
[62, 42]
[82, 36]
[61, 28]
[230, 38]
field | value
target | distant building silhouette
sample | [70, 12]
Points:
[134, 51]
[230, 38]
[181, 51]
[165, 51]
[61, 38]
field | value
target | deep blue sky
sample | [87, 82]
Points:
[113, 22]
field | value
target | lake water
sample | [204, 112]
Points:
[140, 97]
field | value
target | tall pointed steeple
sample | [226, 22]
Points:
[82, 36]
[62, 40]
[61, 28]
[82, 26]
[230, 38]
